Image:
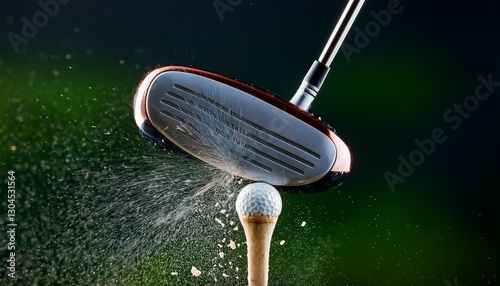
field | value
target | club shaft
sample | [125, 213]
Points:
[318, 71]
[339, 33]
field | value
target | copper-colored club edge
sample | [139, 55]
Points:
[343, 160]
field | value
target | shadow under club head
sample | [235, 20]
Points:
[240, 129]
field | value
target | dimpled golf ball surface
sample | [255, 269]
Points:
[258, 199]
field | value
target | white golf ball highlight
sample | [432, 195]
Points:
[259, 199]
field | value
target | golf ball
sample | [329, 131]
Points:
[258, 199]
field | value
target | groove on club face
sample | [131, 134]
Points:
[236, 131]
[261, 128]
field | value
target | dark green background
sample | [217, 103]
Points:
[90, 189]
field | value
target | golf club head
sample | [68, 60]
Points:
[240, 129]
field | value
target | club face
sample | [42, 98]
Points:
[237, 127]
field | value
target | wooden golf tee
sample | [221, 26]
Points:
[258, 206]
[258, 231]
